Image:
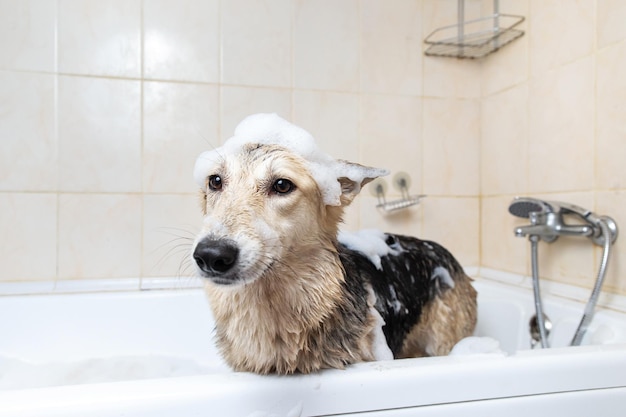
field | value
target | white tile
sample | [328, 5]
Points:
[326, 45]
[561, 129]
[504, 147]
[170, 225]
[99, 135]
[508, 66]
[180, 122]
[181, 40]
[391, 136]
[612, 203]
[28, 242]
[500, 248]
[257, 42]
[453, 223]
[27, 29]
[610, 144]
[560, 32]
[451, 151]
[99, 236]
[28, 148]
[100, 37]
[332, 119]
[239, 102]
[391, 43]
[611, 15]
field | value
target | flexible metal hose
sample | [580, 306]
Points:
[543, 337]
[595, 294]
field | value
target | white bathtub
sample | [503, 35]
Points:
[105, 343]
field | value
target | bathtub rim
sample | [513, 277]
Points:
[607, 300]
[335, 391]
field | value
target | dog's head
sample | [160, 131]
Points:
[268, 196]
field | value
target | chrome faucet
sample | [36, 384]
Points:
[547, 223]
[547, 220]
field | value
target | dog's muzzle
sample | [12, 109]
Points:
[216, 257]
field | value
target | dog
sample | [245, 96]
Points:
[289, 293]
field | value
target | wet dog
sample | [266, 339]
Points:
[289, 293]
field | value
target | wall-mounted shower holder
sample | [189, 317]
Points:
[401, 181]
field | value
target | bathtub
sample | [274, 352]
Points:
[150, 353]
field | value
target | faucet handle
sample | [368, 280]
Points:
[575, 230]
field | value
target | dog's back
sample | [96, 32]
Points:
[425, 299]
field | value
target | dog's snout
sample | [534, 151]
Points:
[215, 257]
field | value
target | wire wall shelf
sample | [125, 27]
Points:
[474, 38]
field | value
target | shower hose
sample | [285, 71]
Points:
[593, 299]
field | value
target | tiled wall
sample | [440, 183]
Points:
[553, 119]
[105, 106]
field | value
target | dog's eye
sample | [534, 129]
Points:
[283, 186]
[215, 182]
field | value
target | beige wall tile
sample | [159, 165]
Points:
[509, 65]
[611, 15]
[326, 45]
[27, 35]
[404, 222]
[257, 44]
[181, 40]
[449, 77]
[561, 129]
[28, 238]
[504, 152]
[451, 138]
[99, 135]
[170, 225]
[391, 136]
[239, 102]
[100, 37]
[332, 119]
[500, 248]
[99, 236]
[612, 203]
[452, 223]
[352, 72]
[560, 31]
[28, 143]
[611, 116]
[391, 38]
[441, 13]
[180, 122]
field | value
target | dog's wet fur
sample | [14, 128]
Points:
[288, 297]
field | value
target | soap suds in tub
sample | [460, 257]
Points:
[474, 345]
[18, 374]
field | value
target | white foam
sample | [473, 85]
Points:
[369, 242]
[19, 374]
[380, 349]
[442, 273]
[268, 128]
[474, 345]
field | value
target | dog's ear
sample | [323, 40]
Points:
[353, 177]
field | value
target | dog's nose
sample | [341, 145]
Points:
[215, 257]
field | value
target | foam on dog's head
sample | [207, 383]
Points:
[270, 129]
